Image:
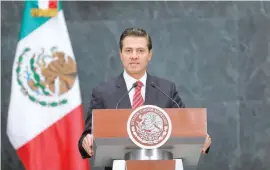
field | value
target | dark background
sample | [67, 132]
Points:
[218, 54]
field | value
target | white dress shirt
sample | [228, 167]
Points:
[130, 81]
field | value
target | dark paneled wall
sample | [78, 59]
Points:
[218, 54]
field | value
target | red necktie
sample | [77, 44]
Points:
[137, 98]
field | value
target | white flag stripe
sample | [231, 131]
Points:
[24, 124]
[43, 4]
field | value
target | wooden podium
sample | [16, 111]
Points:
[189, 131]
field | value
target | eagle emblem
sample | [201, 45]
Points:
[149, 127]
[46, 76]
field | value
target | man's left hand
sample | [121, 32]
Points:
[207, 144]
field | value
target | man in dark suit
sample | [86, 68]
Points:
[135, 52]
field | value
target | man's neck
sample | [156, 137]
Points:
[137, 76]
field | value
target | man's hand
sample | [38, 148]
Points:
[88, 144]
[207, 144]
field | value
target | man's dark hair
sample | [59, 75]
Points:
[137, 32]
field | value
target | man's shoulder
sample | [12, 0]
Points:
[162, 81]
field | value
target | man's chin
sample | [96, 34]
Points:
[134, 71]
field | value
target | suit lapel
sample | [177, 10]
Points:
[150, 92]
[121, 89]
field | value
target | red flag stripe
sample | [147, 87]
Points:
[56, 148]
[52, 3]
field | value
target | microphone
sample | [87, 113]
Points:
[155, 86]
[133, 86]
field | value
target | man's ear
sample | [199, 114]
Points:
[150, 55]
[120, 53]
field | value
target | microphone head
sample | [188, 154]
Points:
[153, 84]
[134, 84]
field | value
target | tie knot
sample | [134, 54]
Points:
[139, 84]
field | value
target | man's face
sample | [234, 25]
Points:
[135, 55]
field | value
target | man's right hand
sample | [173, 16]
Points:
[88, 144]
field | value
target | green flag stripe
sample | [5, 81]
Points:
[30, 23]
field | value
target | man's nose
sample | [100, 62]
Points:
[134, 55]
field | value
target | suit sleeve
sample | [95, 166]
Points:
[96, 103]
[207, 150]
[176, 98]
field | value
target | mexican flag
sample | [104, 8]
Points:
[45, 117]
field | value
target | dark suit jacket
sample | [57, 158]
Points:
[107, 94]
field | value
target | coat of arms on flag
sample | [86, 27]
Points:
[43, 75]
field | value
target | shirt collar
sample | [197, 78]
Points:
[130, 80]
